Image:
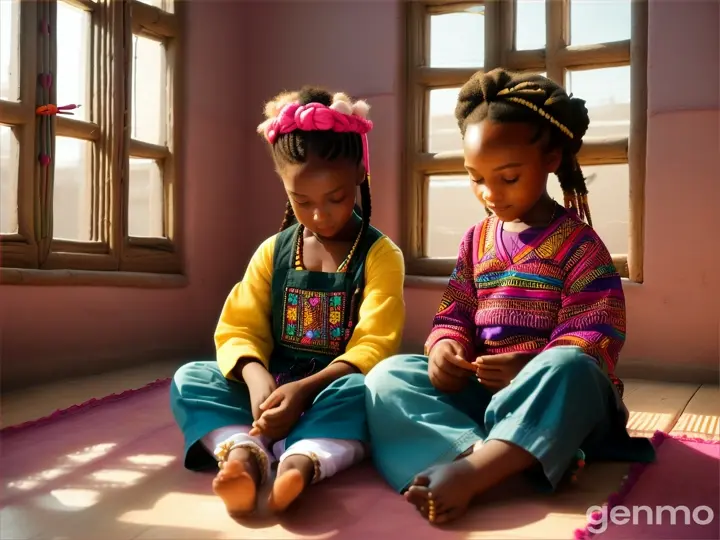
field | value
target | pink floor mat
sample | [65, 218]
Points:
[677, 497]
[355, 505]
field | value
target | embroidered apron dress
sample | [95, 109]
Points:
[313, 317]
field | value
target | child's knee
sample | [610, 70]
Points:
[353, 381]
[193, 373]
[385, 374]
[567, 362]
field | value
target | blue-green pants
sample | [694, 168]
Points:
[559, 403]
[203, 400]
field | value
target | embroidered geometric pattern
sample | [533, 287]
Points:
[560, 289]
[313, 320]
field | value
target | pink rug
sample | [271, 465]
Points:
[677, 497]
[103, 434]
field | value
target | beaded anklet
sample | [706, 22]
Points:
[222, 452]
[431, 508]
[316, 467]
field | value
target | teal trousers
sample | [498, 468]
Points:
[203, 400]
[560, 403]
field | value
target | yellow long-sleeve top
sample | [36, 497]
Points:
[245, 326]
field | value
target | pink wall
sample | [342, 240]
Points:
[674, 317]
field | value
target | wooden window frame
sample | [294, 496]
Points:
[554, 59]
[111, 257]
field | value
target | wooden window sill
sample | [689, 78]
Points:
[140, 280]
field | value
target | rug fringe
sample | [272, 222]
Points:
[82, 407]
[629, 480]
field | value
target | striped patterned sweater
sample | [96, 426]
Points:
[557, 287]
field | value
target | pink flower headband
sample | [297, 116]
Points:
[339, 117]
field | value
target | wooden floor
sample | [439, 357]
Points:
[179, 513]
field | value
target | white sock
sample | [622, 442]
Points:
[334, 455]
[237, 435]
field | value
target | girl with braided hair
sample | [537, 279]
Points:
[321, 303]
[520, 368]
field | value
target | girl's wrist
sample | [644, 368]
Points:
[250, 368]
[314, 384]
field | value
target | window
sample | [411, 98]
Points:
[97, 190]
[566, 40]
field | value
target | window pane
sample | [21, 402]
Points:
[148, 91]
[166, 5]
[156, 3]
[599, 21]
[458, 39]
[607, 92]
[530, 24]
[609, 196]
[9, 148]
[71, 194]
[443, 131]
[145, 207]
[452, 210]
[10, 50]
[73, 58]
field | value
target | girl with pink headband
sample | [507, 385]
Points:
[320, 305]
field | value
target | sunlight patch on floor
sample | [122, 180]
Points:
[205, 513]
[35, 480]
[152, 460]
[649, 421]
[91, 453]
[706, 424]
[118, 477]
[69, 499]
[76, 459]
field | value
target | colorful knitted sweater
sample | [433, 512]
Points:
[557, 287]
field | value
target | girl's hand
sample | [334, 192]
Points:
[260, 384]
[258, 395]
[281, 411]
[495, 372]
[448, 369]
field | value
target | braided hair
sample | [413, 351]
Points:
[503, 96]
[295, 147]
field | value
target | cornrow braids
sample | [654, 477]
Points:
[289, 217]
[505, 96]
[295, 147]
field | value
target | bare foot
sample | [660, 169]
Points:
[450, 488]
[293, 475]
[236, 483]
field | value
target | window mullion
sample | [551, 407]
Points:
[110, 106]
[46, 94]
[638, 136]
[493, 36]
[27, 173]
[557, 37]
[418, 29]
